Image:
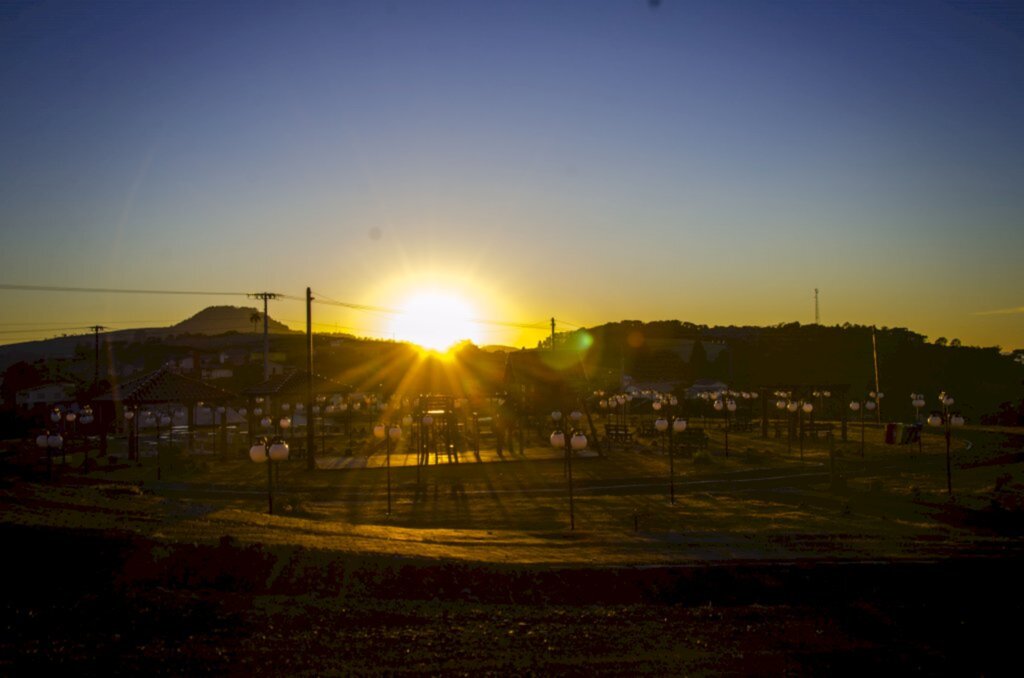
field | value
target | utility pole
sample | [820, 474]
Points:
[817, 317]
[310, 433]
[96, 367]
[265, 296]
[552, 334]
[874, 355]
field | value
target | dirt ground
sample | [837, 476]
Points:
[129, 606]
[765, 565]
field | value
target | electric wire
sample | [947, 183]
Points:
[318, 298]
[114, 290]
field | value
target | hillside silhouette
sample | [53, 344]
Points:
[221, 319]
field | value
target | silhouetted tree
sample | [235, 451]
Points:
[698, 361]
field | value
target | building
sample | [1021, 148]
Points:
[45, 395]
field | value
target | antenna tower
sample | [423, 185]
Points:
[817, 317]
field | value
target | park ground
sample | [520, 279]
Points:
[768, 562]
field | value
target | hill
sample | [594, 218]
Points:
[221, 319]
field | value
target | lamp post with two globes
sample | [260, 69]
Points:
[726, 405]
[947, 419]
[49, 442]
[678, 426]
[917, 400]
[877, 397]
[268, 450]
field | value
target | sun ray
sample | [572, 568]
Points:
[435, 320]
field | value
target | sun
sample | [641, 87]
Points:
[435, 320]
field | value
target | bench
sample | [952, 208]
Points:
[620, 433]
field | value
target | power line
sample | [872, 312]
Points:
[324, 299]
[264, 296]
[47, 329]
[114, 290]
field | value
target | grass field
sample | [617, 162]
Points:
[761, 501]
[765, 563]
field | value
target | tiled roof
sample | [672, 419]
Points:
[164, 386]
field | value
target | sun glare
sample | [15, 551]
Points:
[435, 321]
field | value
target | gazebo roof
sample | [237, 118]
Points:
[164, 386]
[294, 384]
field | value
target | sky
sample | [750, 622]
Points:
[593, 161]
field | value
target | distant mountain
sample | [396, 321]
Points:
[221, 319]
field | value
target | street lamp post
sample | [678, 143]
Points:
[807, 408]
[947, 419]
[161, 420]
[70, 428]
[269, 450]
[556, 416]
[132, 423]
[917, 400]
[577, 441]
[428, 423]
[821, 395]
[780, 405]
[49, 442]
[857, 406]
[877, 404]
[678, 426]
[792, 406]
[726, 405]
[56, 418]
[389, 435]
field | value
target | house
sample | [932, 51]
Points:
[45, 395]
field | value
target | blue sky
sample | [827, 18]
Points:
[707, 161]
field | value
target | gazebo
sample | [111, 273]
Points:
[162, 387]
[296, 386]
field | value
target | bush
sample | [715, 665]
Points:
[702, 457]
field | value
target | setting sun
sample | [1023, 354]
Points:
[435, 320]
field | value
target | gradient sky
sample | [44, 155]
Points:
[591, 160]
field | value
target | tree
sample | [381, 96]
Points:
[255, 318]
[955, 343]
[698, 361]
[941, 341]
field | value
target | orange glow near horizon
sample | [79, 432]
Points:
[435, 320]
